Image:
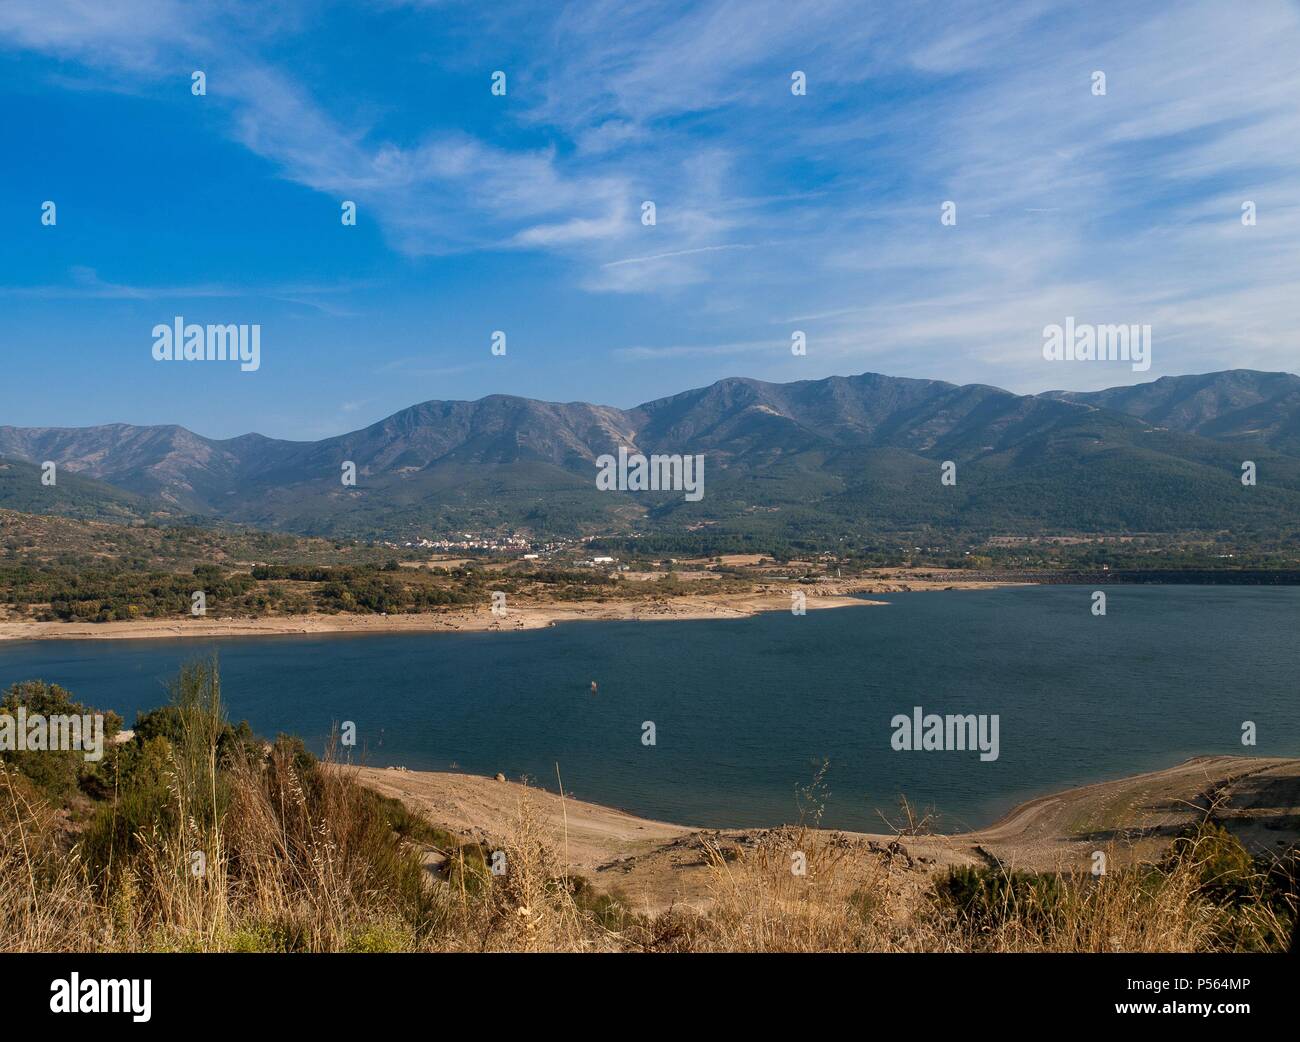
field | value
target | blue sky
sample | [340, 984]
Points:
[775, 212]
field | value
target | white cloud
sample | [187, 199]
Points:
[1125, 206]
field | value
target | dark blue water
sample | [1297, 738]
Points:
[745, 710]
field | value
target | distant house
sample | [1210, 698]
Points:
[602, 560]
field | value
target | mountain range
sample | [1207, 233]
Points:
[817, 460]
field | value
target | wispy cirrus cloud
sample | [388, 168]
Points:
[85, 284]
[1123, 206]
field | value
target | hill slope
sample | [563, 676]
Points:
[1238, 405]
[820, 459]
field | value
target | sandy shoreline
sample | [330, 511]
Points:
[658, 863]
[524, 617]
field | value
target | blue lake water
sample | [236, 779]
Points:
[745, 710]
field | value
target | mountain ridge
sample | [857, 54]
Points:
[842, 453]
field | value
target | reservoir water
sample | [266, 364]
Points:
[744, 711]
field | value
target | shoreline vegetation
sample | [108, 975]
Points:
[194, 834]
[524, 617]
[72, 579]
[691, 597]
[306, 586]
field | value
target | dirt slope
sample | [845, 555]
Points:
[654, 864]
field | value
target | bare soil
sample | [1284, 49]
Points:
[653, 865]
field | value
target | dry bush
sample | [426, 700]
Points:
[845, 899]
[307, 863]
[45, 905]
[531, 907]
[853, 899]
[1132, 910]
[246, 849]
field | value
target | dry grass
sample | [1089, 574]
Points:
[44, 903]
[289, 871]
